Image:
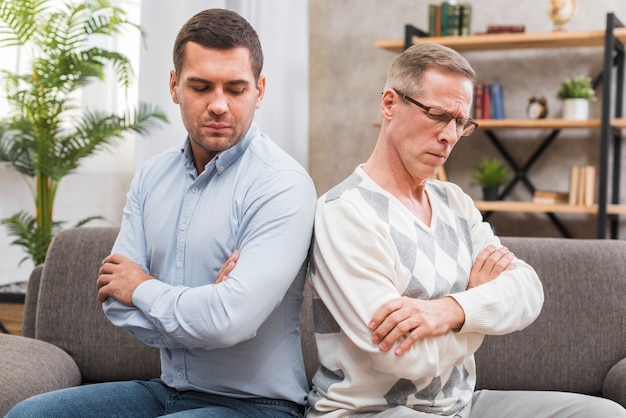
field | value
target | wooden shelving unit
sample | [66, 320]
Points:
[493, 42]
[611, 123]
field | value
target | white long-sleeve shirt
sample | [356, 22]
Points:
[370, 249]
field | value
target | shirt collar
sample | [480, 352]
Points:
[226, 158]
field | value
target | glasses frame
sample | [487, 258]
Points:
[467, 128]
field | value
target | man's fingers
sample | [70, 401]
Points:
[483, 256]
[499, 261]
[383, 312]
[401, 329]
[227, 267]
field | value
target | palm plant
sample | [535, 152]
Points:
[47, 135]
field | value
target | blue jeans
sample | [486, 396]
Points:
[135, 399]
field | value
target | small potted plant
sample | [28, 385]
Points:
[576, 93]
[490, 174]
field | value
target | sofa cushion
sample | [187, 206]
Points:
[579, 335]
[615, 383]
[30, 367]
[70, 316]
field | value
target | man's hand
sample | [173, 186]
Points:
[414, 319]
[118, 278]
[228, 266]
[489, 263]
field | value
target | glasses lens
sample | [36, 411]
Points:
[468, 128]
[439, 115]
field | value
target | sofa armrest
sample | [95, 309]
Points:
[614, 386]
[30, 303]
[30, 367]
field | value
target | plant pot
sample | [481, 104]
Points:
[490, 194]
[576, 109]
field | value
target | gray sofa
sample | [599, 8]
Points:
[578, 343]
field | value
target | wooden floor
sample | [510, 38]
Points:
[11, 315]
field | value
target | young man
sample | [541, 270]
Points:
[209, 265]
[407, 276]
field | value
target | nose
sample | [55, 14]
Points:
[218, 103]
[450, 132]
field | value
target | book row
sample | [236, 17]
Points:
[488, 101]
[449, 19]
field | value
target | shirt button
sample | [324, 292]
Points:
[179, 375]
[220, 169]
[194, 190]
[179, 264]
[183, 227]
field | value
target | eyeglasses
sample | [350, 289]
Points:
[464, 126]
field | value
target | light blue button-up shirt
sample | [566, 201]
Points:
[238, 338]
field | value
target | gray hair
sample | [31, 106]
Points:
[407, 70]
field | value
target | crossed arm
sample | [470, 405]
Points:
[119, 277]
[416, 319]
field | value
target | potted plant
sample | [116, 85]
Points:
[490, 174]
[46, 133]
[576, 93]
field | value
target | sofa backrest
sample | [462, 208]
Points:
[581, 331]
[69, 315]
[579, 335]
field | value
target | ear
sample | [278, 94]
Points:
[173, 85]
[260, 91]
[387, 102]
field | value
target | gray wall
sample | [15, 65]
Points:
[347, 75]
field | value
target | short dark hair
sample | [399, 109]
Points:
[222, 29]
[407, 70]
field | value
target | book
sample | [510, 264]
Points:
[466, 20]
[445, 11]
[574, 181]
[550, 197]
[432, 27]
[497, 101]
[478, 101]
[454, 20]
[582, 185]
[589, 191]
[434, 20]
[486, 98]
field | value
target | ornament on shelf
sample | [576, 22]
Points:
[537, 107]
[562, 12]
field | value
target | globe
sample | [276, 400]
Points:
[561, 12]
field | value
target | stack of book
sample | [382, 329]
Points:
[550, 197]
[582, 185]
[449, 18]
[506, 28]
[493, 29]
[488, 101]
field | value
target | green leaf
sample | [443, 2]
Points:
[45, 135]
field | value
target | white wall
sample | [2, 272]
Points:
[99, 186]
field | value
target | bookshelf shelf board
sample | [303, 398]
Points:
[541, 123]
[619, 123]
[511, 40]
[509, 206]
[537, 123]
